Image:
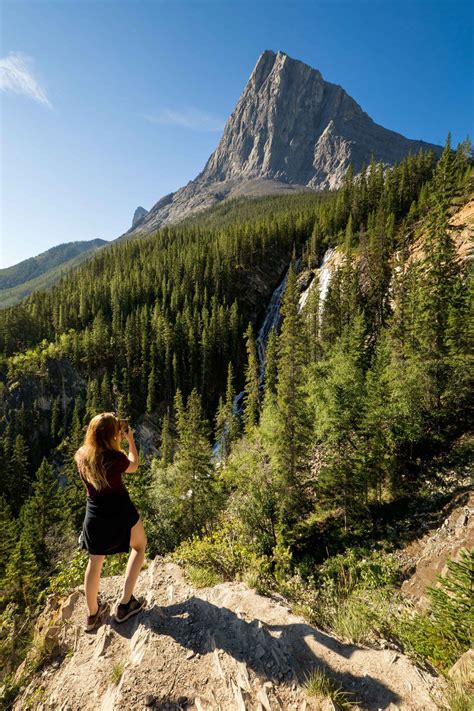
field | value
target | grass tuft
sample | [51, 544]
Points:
[319, 684]
[117, 672]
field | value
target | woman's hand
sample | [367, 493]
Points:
[132, 454]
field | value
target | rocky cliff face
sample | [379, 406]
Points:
[291, 130]
[138, 215]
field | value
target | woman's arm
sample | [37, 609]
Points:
[132, 452]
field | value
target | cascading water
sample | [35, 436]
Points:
[271, 320]
[324, 276]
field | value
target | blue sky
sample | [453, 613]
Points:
[109, 105]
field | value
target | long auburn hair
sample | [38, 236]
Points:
[100, 438]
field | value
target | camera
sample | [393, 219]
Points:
[124, 426]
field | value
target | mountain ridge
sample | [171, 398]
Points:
[33, 267]
[43, 270]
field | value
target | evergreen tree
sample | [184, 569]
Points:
[19, 484]
[8, 535]
[339, 403]
[293, 429]
[74, 492]
[55, 419]
[437, 291]
[252, 391]
[166, 440]
[194, 478]
[271, 364]
[232, 419]
[311, 315]
[41, 513]
[21, 581]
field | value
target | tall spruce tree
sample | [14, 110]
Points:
[195, 483]
[42, 514]
[312, 318]
[293, 426]
[166, 440]
[271, 364]
[252, 391]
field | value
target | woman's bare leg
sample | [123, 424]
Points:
[138, 543]
[92, 580]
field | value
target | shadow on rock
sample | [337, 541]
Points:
[278, 653]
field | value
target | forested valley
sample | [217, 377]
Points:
[365, 399]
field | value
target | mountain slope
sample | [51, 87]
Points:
[290, 130]
[42, 271]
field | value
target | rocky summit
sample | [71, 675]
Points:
[138, 215]
[290, 131]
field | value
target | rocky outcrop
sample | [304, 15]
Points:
[428, 555]
[290, 130]
[223, 647]
[138, 216]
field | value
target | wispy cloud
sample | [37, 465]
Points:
[16, 77]
[189, 117]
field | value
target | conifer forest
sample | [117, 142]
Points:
[288, 459]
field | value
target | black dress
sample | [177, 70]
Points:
[110, 513]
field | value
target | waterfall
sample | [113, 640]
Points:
[324, 274]
[271, 320]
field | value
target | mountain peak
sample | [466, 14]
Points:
[290, 130]
[139, 215]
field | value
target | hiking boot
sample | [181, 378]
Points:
[123, 612]
[93, 621]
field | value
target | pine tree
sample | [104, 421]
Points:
[21, 581]
[55, 419]
[74, 491]
[232, 418]
[444, 179]
[252, 391]
[166, 440]
[151, 396]
[194, 478]
[452, 600]
[438, 288]
[8, 534]
[41, 512]
[19, 484]
[220, 429]
[105, 394]
[271, 364]
[339, 397]
[311, 315]
[293, 429]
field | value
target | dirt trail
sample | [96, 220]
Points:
[219, 648]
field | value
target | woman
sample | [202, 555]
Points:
[112, 523]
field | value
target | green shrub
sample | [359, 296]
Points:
[359, 568]
[70, 574]
[221, 555]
